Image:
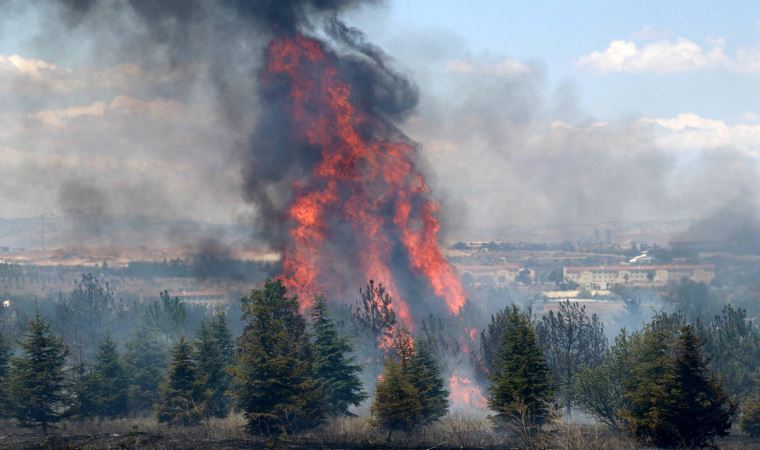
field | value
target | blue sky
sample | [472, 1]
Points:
[558, 33]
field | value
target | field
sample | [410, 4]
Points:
[453, 432]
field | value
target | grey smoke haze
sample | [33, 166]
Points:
[150, 108]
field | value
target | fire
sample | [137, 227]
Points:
[364, 190]
[464, 392]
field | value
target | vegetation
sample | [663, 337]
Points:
[274, 375]
[521, 390]
[334, 367]
[571, 341]
[37, 383]
[179, 396]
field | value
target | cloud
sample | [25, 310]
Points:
[505, 67]
[688, 131]
[661, 56]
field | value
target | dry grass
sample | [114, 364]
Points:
[456, 431]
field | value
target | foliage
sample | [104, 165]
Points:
[82, 391]
[571, 341]
[397, 401]
[85, 314]
[732, 344]
[274, 374]
[598, 390]
[334, 368]
[37, 384]
[5, 359]
[520, 384]
[110, 381]
[213, 353]
[426, 377]
[750, 411]
[373, 311]
[179, 395]
[672, 399]
[167, 315]
[146, 359]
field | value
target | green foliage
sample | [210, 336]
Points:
[670, 397]
[571, 341]
[732, 344]
[490, 342]
[145, 358]
[213, 340]
[84, 315]
[426, 377]
[520, 388]
[598, 390]
[397, 403]
[179, 395]
[110, 381]
[5, 359]
[334, 368]
[37, 384]
[82, 391]
[167, 315]
[750, 411]
[276, 388]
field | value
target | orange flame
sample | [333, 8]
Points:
[358, 179]
[466, 393]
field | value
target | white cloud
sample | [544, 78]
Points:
[690, 131]
[506, 67]
[660, 56]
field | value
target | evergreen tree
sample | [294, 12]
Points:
[750, 417]
[5, 358]
[397, 401]
[426, 378]
[520, 386]
[145, 358]
[179, 396]
[110, 381]
[37, 385]
[274, 374]
[334, 368]
[213, 379]
[673, 400]
[83, 391]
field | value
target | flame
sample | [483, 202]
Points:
[365, 181]
[464, 392]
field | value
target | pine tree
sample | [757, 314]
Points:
[333, 367]
[37, 385]
[5, 358]
[110, 381]
[274, 373]
[678, 403]
[520, 386]
[213, 379]
[426, 378]
[750, 417]
[83, 391]
[397, 401]
[179, 396]
[145, 359]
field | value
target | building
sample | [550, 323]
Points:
[491, 275]
[209, 298]
[604, 277]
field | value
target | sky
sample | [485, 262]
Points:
[528, 113]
